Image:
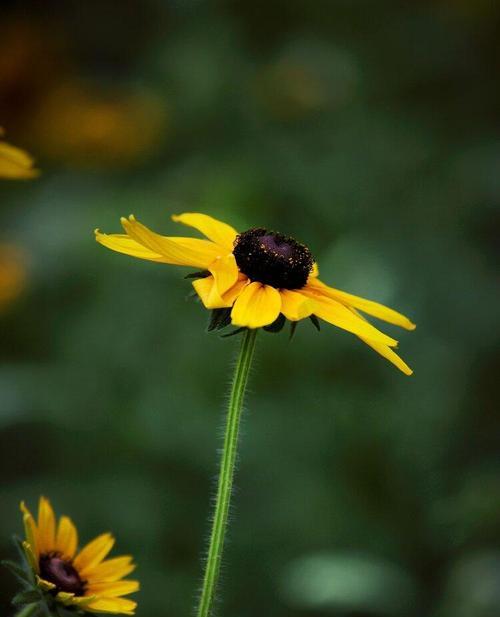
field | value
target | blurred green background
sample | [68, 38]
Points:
[368, 130]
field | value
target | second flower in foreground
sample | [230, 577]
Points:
[82, 579]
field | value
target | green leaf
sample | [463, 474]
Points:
[277, 325]
[17, 571]
[30, 596]
[315, 322]
[293, 328]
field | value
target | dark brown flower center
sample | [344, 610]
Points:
[62, 573]
[273, 258]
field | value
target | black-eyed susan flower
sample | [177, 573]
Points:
[83, 580]
[14, 162]
[259, 277]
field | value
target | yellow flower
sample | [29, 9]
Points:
[259, 275]
[13, 274]
[83, 579]
[14, 162]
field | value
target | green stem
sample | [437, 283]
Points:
[226, 474]
[28, 610]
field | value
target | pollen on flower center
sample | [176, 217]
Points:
[273, 258]
[62, 573]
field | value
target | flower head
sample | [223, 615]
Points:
[14, 162]
[258, 277]
[83, 579]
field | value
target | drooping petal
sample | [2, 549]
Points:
[93, 553]
[115, 589]
[43, 584]
[257, 305]
[389, 354]
[177, 251]
[225, 272]
[111, 570]
[367, 306]
[46, 526]
[294, 305]
[123, 606]
[15, 163]
[30, 530]
[217, 231]
[122, 243]
[207, 290]
[66, 538]
[339, 315]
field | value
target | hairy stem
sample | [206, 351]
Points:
[226, 474]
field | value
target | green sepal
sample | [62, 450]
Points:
[30, 596]
[202, 274]
[219, 319]
[233, 333]
[315, 322]
[293, 329]
[277, 325]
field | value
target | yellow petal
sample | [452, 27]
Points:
[217, 231]
[339, 315]
[30, 556]
[111, 570]
[367, 306]
[83, 601]
[114, 590]
[65, 598]
[315, 270]
[206, 289]
[294, 305]
[208, 293]
[30, 530]
[122, 606]
[126, 245]
[177, 251]
[389, 354]
[66, 538]
[93, 553]
[43, 584]
[257, 305]
[225, 272]
[46, 526]
[15, 163]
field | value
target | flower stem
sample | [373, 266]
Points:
[226, 473]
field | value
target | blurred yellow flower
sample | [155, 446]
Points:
[260, 275]
[12, 274]
[85, 580]
[14, 162]
[81, 124]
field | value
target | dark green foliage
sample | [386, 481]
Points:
[219, 319]
[315, 322]
[277, 325]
